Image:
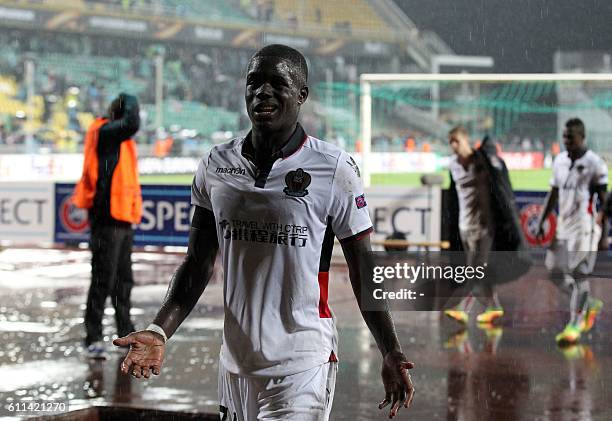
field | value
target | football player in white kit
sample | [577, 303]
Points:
[476, 224]
[272, 202]
[579, 177]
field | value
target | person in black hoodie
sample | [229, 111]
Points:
[482, 217]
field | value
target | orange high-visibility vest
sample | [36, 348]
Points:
[410, 145]
[125, 195]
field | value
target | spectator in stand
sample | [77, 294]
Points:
[410, 145]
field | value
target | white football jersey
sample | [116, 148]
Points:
[574, 180]
[276, 231]
[473, 217]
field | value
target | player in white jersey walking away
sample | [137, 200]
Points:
[271, 202]
[579, 177]
[482, 217]
[475, 220]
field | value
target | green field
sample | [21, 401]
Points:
[521, 180]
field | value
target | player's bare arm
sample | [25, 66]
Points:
[551, 201]
[147, 348]
[399, 389]
[601, 192]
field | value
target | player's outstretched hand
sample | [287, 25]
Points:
[399, 389]
[146, 353]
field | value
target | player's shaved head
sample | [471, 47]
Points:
[573, 137]
[298, 66]
[577, 125]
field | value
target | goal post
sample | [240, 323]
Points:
[505, 99]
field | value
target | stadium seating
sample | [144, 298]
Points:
[82, 70]
[196, 116]
[76, 76]
[342, 15]
[71, 88]
[207, 9]
[349, 15]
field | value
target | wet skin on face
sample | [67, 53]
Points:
[573, 140]
[273, 97]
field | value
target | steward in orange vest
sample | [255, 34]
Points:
[125, 195]
[110, 191]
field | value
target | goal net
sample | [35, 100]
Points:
[391, 117]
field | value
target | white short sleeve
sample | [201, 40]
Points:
[555, 169]
[600, 178]
[349, 210]
[199, 194]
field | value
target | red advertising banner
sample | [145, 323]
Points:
[523, 160]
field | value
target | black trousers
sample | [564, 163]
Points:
[111, 274]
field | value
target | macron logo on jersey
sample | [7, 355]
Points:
[233, 171]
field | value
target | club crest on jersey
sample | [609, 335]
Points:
[296, 182]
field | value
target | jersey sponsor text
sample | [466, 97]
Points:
[234, 171]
